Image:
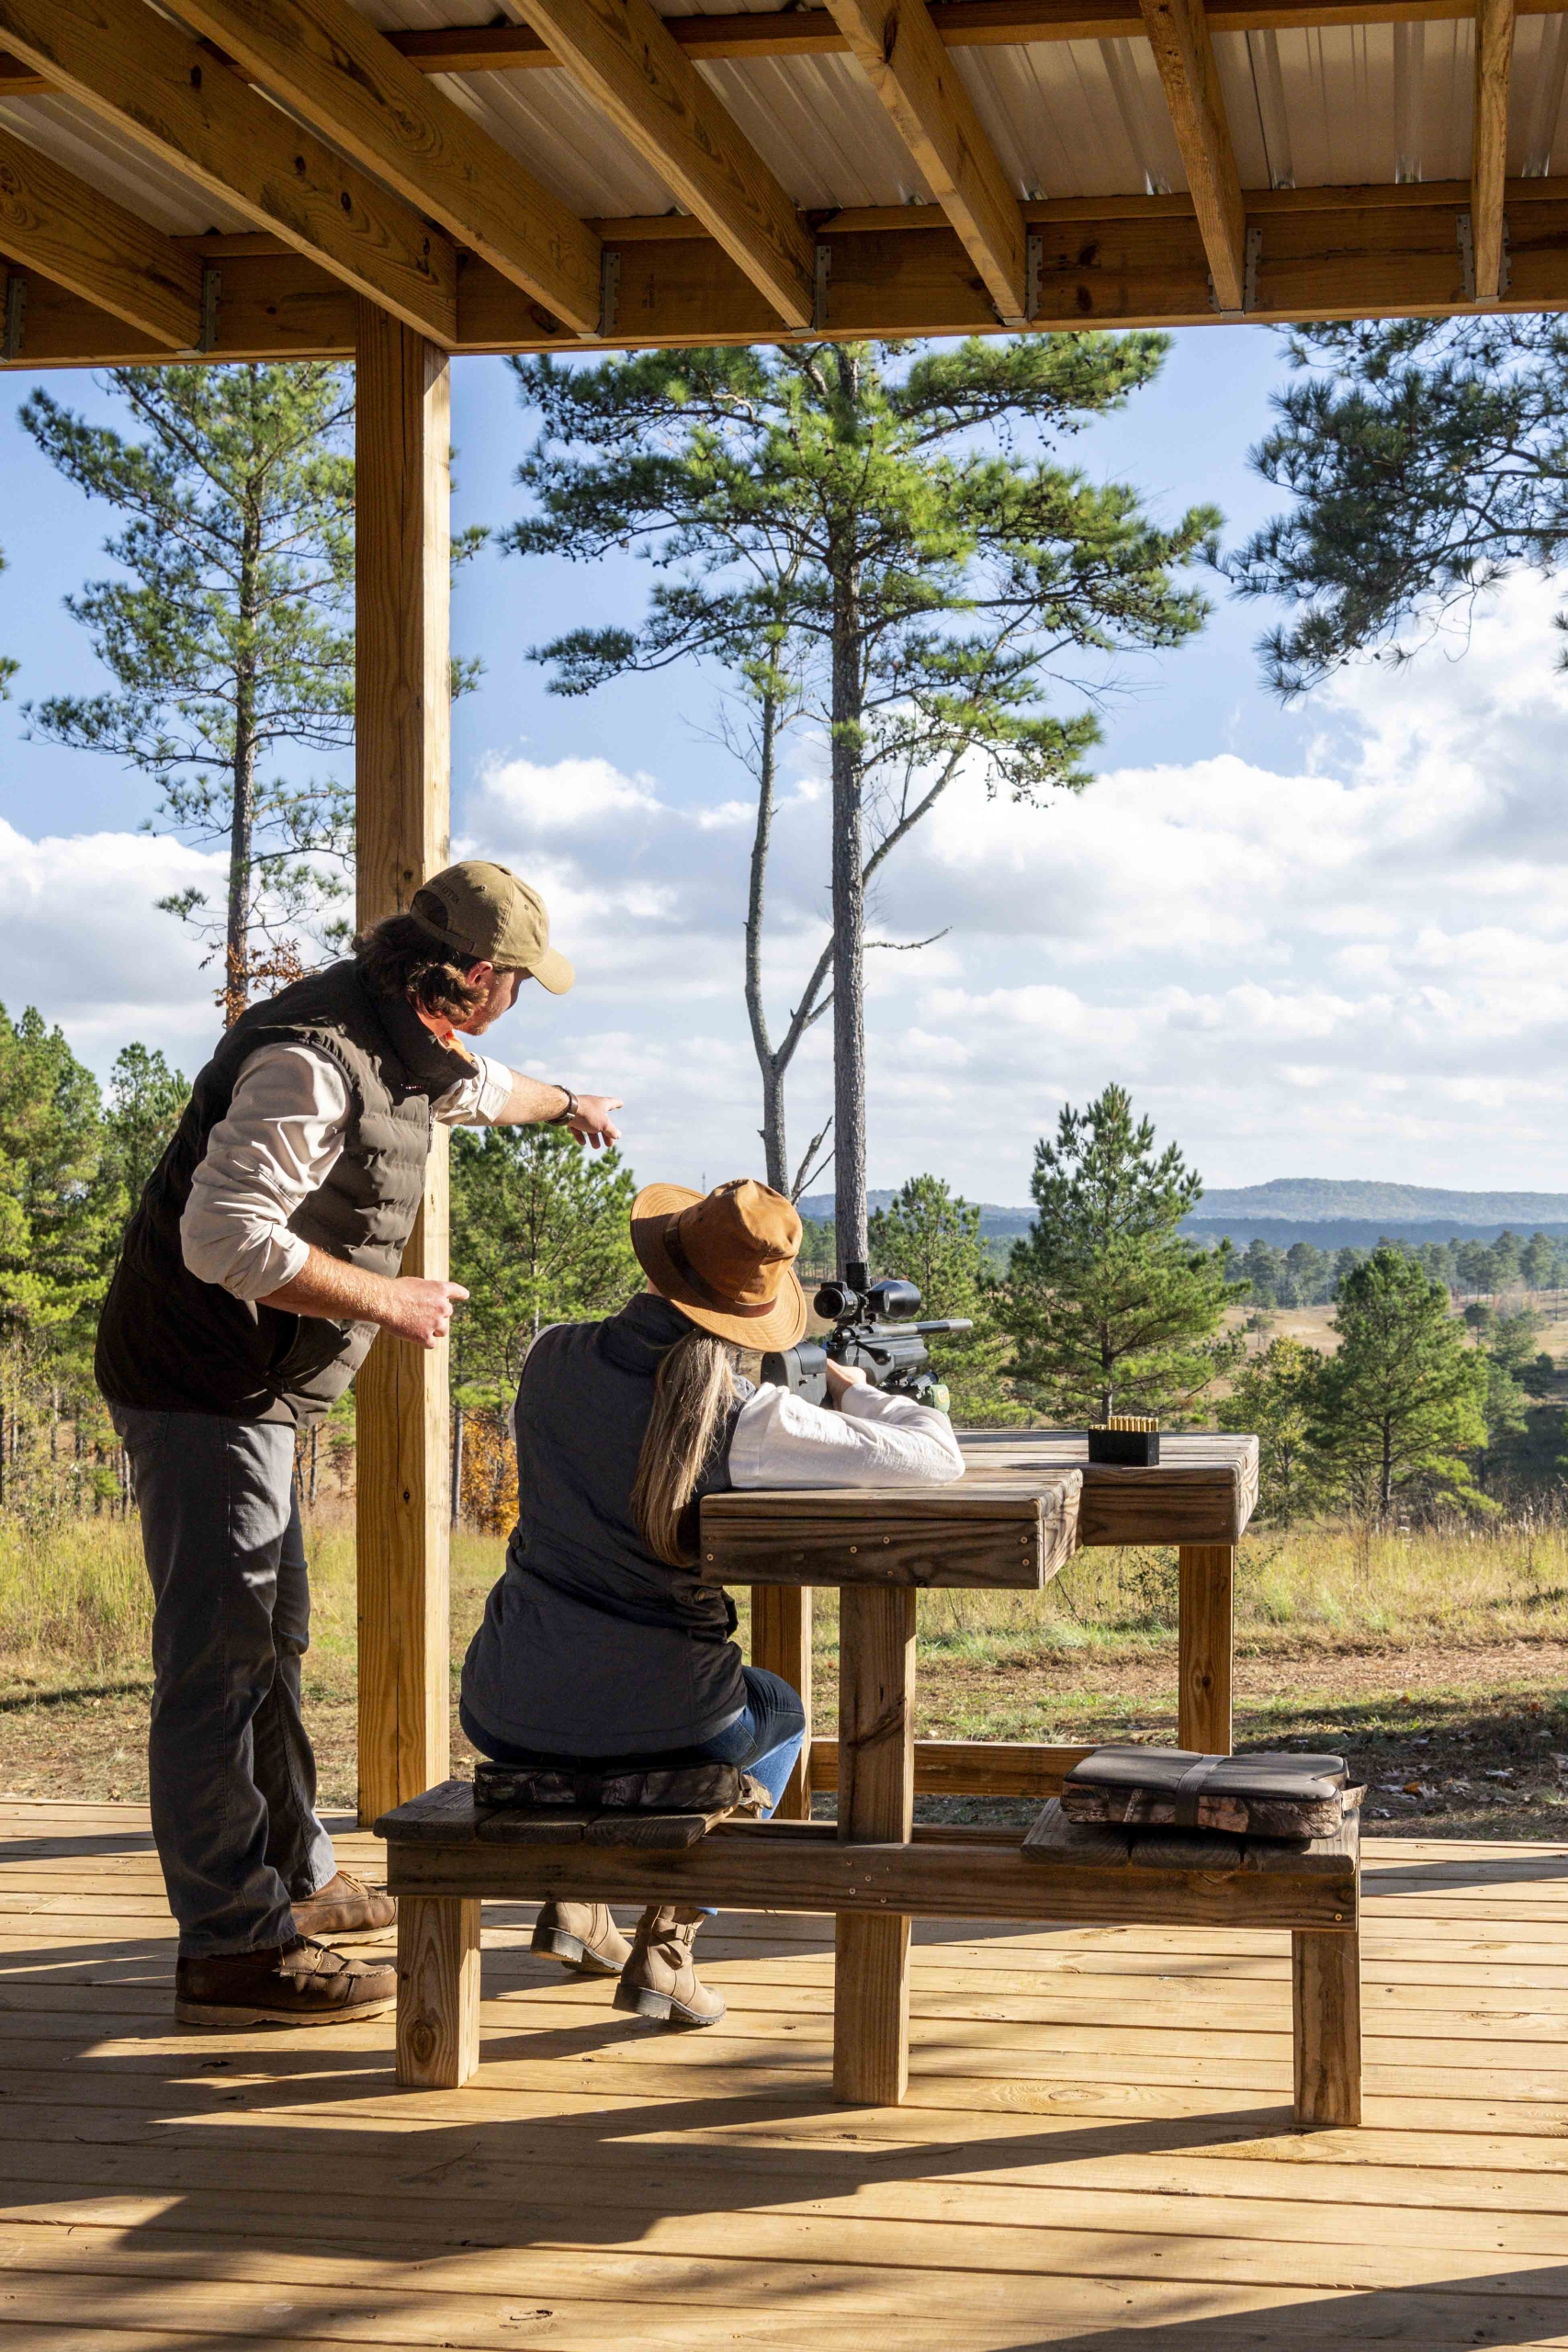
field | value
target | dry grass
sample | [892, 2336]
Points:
[1437, 1659]
[74, 1603]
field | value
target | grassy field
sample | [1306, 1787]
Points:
[1437, 1660]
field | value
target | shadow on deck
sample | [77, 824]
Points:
[1098, 2150]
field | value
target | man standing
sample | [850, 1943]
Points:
[256, 1272]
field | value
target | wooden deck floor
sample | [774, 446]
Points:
[1096, 2151]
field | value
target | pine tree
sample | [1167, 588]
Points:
[56, 1227]
[932, 1237]
[7, 666]
[1309, 1270]
[1110, 1307]
[1425, 459]
[1272, 1398]
[1403, 1400]
[146, 1100]
[850, 534]
[1262, 1268]
[232, 643]
[1537, 1261]
[540, 1234]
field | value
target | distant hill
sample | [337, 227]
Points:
[1309, 1200]
[1335, 1213]
[996, 1224]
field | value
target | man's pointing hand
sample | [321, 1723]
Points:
[592, 1123]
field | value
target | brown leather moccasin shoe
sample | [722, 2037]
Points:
[347, 1906]
[297, 1984]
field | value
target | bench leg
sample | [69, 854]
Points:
[876, 1797]
[781, 1641]
[871, 2009]
[1326, 1996]
[438, 1991]
[1206, 1577]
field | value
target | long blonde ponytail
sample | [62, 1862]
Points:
[695, 1388]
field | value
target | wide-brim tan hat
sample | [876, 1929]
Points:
[726, 1258]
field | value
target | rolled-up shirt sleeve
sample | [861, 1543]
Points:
[873, 1440]
[478, 1100]
[280, 1140]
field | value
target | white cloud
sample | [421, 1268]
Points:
[82, 937]
[1360, 968]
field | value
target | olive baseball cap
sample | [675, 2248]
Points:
[486, 912]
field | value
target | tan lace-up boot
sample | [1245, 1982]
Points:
[581, 1936]
[660, 1980]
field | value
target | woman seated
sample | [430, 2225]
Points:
[600, 1645]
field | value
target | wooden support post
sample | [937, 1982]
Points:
[1206, 1579]
[1489, 154]
[877, 1795]
[1326, 1994]
[781, 1641]
[438, 1992]
[403, 695]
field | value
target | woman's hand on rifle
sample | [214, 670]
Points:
[842, 1376]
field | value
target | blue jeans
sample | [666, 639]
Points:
[231, 1777]
[764, 1739]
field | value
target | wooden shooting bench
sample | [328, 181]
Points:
[1013, 1523]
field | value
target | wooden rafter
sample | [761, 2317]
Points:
[55, 222]
[1489, 162]
[1112, 262]
[330, 63]
[169, 94]
[621, 53]
[901, 53]
[1184, 52]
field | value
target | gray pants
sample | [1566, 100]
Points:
[232, 1778]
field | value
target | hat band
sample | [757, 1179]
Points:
[675, 1251]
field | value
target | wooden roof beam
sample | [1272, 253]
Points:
[1353, 253]
[900, 51]
[171, 97]
[1489, 155]
[1184, 53]
[623, 55]
[51, 221]
[332, 66]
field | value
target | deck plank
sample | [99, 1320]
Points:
[1097, 2148]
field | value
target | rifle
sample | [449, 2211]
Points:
[873, 1327]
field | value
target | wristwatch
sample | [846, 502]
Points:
[570, 1111]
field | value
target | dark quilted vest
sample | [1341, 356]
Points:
[590, 1645]
[169, 1341]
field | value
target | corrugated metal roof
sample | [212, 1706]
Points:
[1350, 104]
[73, 136]
[1536, 95]
[541, 117]
[819, 125]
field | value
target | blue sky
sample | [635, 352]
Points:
[1320, 941]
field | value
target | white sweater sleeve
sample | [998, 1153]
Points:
[781, 1440]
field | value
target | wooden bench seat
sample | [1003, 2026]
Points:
[445, 1858]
